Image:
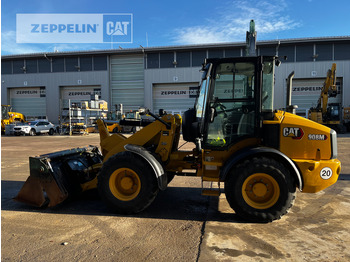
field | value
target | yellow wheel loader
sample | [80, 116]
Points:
[8, 117]
[261, 155]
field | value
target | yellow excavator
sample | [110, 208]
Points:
[328, 113]
[261, 155]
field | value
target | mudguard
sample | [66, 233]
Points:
[154, 163]
[256, 151]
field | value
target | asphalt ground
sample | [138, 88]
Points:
[180, 225]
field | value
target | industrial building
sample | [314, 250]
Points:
[40, 85]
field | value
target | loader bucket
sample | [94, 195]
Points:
[55, 177]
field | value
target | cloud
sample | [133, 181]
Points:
[9, 46]
[231, 23]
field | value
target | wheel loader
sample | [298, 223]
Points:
[8, 117]
[260, 155]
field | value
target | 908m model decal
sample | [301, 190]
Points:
[317, 137]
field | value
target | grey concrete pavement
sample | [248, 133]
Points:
[181, 225]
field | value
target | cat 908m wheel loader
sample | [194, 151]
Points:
[260, 154]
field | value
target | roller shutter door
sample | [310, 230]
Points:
[127, 81]
[30, 101]
[306, 93]
[76, 94]
[174, 98]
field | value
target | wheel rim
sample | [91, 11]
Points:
[260, 191]
[125, 184]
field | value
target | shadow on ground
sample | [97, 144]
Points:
[178, 203]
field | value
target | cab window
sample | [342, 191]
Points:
[232, 104]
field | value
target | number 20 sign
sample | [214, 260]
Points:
[326, 173]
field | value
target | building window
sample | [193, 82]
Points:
[57, 64]
[18, 66]
[218, 53]
[72, 64]
[100, 63]
[324, 52]
[342, 51]
[305, 53]
[6, 67]
[153, 60]
[268, 50]
[198, 57]
[183, 59]
[233, 52]
[31, 66]
[286, 53]
[167, 60]
[44, 65]
[85, 63]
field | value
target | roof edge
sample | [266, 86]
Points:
[142, 49]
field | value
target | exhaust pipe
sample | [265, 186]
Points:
[289, 107]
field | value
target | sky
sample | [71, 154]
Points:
[184, 22]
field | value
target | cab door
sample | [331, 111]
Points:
[233, 103]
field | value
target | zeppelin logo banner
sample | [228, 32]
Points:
[74, 28]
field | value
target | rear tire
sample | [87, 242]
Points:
[127, 183]
[51, 132]
[32, 132]
[260, 189]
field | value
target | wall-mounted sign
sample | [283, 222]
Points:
[27, 92]
[80, 93]
[176, 92]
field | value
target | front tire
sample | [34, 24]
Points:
[51, 132]
[127, 183]
[260, 189]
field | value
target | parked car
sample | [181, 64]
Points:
[35, 128]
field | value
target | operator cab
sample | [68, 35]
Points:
[235, 96]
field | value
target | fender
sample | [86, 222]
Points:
[251, 152]
[154, 163]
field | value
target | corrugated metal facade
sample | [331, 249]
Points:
[135, 77]
[31, 100]
[127, 81]
[76, 94]
[174, 98]
[306, 93]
